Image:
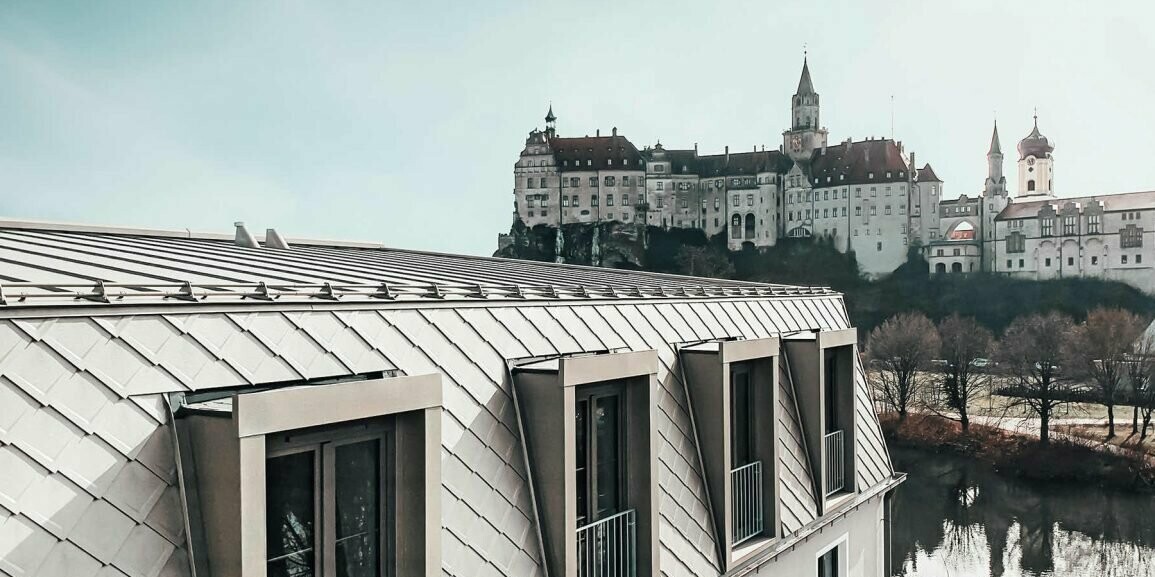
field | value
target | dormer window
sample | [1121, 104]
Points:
[870, 175]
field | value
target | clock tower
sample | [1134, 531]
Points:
[1036, 165]
[805, 132]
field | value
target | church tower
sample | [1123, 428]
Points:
[994, 199]
[806, 133]
[1036, 166]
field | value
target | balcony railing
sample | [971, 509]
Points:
[746, 501]
[606, 547]
[835, 462]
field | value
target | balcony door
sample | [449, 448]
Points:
[328, 504]
[600, 451]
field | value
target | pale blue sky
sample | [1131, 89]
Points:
[400, 121]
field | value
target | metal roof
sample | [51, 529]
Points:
[49, 264]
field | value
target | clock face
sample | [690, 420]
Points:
[1030, 161]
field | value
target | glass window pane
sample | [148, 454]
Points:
[740, 408]
[290, 515]
[606, 415]
[581, 467]
[358, 500]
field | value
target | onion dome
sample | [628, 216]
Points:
[1035, 144]
[549, 117]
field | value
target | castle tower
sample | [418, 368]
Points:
[550, 123]
[1036, 166]
[996, 184]
[805, 132]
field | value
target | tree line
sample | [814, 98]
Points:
[1042, 360]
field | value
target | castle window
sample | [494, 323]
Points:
[661, 185]
[1131, 237]
[1047, 262]
[734, 200]
[593, 200]
[685, 203]
[842, 177]
[543, 184]
[529, 201]
[844, 211]
[574, 182]
[1124, 259]
[736, 226]
[1016, 242]
[1031, 184]
[1021, 263]
[529, 182]
[826, 195]
[873, 192]
[870, 175]
[749, 200]
[826, 213]
[717, 203]
[879, 245]
[659, 168]
[858, 192]
[574, 200]
[1048, 227]
[1070, 261]
[1095, 260]
[625, 200]
[531, 214]
[1070, 225]
[593, 182]
[888, 188]
[1138, 258]
[1008, 263]
[902, 209]
[661, 202]
[609, 181]
[609, 162]
[888, 209]
[888, 174]
[874, 211]
[589, 162]
[625, 181]
[564, 201]
[609, 200]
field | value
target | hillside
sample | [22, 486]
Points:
[993, 300]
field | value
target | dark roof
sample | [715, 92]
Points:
[857, 161]
[1144, 200]
[805, 86]
[600, 149]
[995, 147]
[1035, 144]
[735, 163]
[926, 174]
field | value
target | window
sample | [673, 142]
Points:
[593, 200]
[844, 211]
[826, 213]
[1070, 225]
[879, 246]
[956, 252]
[1021, 265]
[529, 182]
[544, 213]
[529, 201]
[599, 444]
[717, 203]
[609, 181]
[888, 209]
[1047, 226]
[625, 181]
[661, 202]
[661, 185]
[1138, 259]
[1031, 185]
[1093, 224]
[564, 201]
[659, 168]
[938, 252]
[625, 200]
[340, 471]
[1094, 260]
[1124, 259]
[828, 564]
[319, 489]
[1016, 242]
[593, 182]
[736, 226]
[749, 200]
[826, 195]
[1047, 262]
[874, 211]
[685, 203]
[735, 200]
[1070, 261]
[573, 182]
[1131, 237]
[858, 211]
[574, 200]
[873, 192]
[858, 192]
[1008, 263]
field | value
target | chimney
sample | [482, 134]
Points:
[727, 154]
[599, 133]
[695, 150]
[615, 131]
[273, 239]
[243, 237]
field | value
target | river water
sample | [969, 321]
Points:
[956, 518]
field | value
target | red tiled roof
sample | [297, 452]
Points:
[573, 154]
[857, 161]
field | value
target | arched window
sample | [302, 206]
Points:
[736, 226]
[749, 226]
[956, 267]
[940, 268]
[1030, 185]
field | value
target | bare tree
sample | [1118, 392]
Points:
[1031, 353]
[1100, 349]
[901, 350]
[1141, 373]
[703, 261]
[960, 380]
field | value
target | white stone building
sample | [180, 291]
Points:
[1036, 235]
[865, 196]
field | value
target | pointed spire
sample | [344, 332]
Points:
[805, 86]
[549, 117]
[995, 147]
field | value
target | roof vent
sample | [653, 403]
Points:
[243, 237]
[273, 239]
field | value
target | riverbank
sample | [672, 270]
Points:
[1066, 460]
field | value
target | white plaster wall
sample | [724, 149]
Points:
[862, 553]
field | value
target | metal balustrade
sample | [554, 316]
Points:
[835, 462]
[746, 502]
[605, 548]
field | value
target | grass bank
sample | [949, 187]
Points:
[1067, 461]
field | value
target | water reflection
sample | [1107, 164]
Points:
[956, 518]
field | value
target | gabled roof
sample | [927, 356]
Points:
[599, 149]
[1111, 202]
[857, 161]
[46, 264]
[926, 174]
